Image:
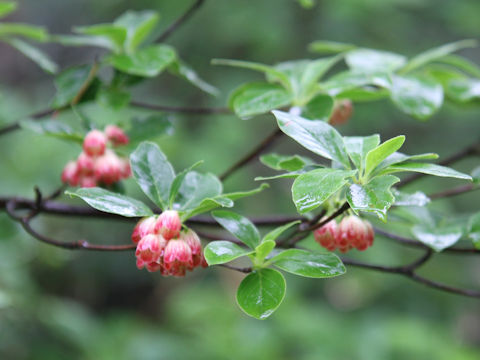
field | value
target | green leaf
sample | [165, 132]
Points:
[351, 80]
[319, 108]
[429, 169]
[371, 61]
[375, 196]
[311, 189]
[113, 98]
[178, 181]
[265, 248]
[376, 156]
[153, 173]
[239, 226]
[420, 98]
[314, 71]
[404, 199]
[316, 136]
[221, 252]
[36, 33]
[80, 40]
[69, 83]
[147, 62]
[258, 98]
[179, 68]
[437, 53]
[261, 292]
[114, 35]
[359, 146]
[196, 187]
[150, 126]
[52, 128]
[398, 157]
[208, 205]
[275, 233]
[437, 238]
[461, 63]
[330, 47]
[111, 202]
[6, 7]
[464, 90]
[138, 24]
[240, 194]
[274, 74]
[474, 229]
[476, 175]
[34, 54]
[364, 94]
[309, 264]
[285, 162]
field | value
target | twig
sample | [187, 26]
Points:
[35, 116]
[245, 270]
[190, 11]
[454, 192]
[252, 154]
[181, 109]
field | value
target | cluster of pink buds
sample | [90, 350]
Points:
[352, 232]
[163, 246]
[342, 111]
[97, 164]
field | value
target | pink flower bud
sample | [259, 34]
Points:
[342, 111]
[354, 233]
[177, 257]
[125, 168]
[168, 224]
[94, 143]
[116, 135]
[326, 235]
[87, 181]
[143, 228]
[108, 168]
[193, 241]
[70, 174]
[149, 249]
[86, 164]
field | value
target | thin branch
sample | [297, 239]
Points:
[181, 109]
[454, 192]
[252, 154]
[190, 11]
[245, 270]
[35, 116]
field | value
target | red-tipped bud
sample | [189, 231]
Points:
[326, 236]
[125, 168]
[193, 241]
[108, 168]
[143, 228]
[168, 224]
[354, 233]
[94, 143]
[70, 174]
[86, 164]
[150, 249]
[177, 257]
[116, 135]
[87, 181]
[342, 111]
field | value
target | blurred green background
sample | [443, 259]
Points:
[56, 304]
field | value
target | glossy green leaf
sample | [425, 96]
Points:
[6, 7]
[275, 233]
[473, 229]
[221, 252]
[461, 63]
[150, 126]
[351, 80]
[265, 248]
[69, 83]
[273, 73]
[83, 40]
[309, 264]
[34, 54]
[371, 61]
[148, 62]
[359, 146]
[404, 199]
[258, 98]
[138, 24]
[179, 68]
[398, 157]
[178, 181]
[196, 187]
[53, 128]
[311, 189]
[330, 47]
[364, 94]
[208, 205]
[429, 169]
[285, 162]
[113, 98]
[111, 202]
[153, 173]
[420, 98]
[376, 196]
[261, 292]
[319, 108]
[476, 175]
[376, 156]
[437, 238]
[115, 35]
[437, 53]
[36, 33]
[239, 226]
[316, 136]
[464, 90]
[240, 194]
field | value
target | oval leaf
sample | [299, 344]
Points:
[220, 252]
[239, 226]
